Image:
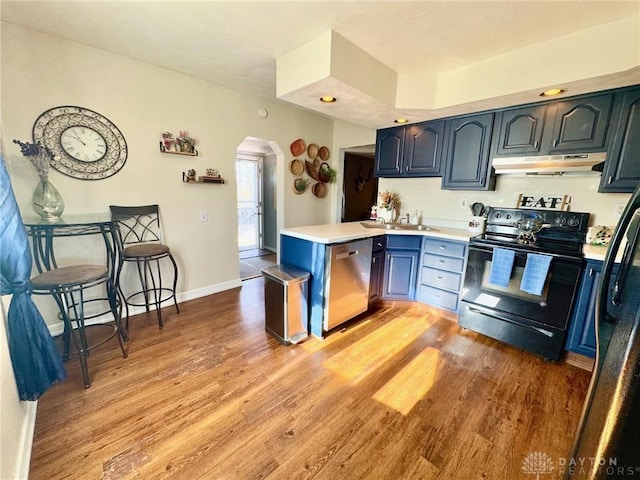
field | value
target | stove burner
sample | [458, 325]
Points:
[527, 238]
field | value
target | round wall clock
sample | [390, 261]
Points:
[85, 144]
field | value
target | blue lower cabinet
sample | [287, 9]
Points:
[401, 267]
[309, 257]
[376, 278]
[582, 329]
[441, 273]
[400, 273]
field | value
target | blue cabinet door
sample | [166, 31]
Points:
[423, 149]
[376, 278]
[580, 125]
[622, 171]
[582, 329]
[401, 270]
[389, 152]
[519, 131]
[467, 153]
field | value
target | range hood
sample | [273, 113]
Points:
[551, 164]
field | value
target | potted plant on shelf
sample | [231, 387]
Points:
[185, 143]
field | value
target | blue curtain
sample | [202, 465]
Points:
[36, 362]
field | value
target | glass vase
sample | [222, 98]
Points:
[47, 201]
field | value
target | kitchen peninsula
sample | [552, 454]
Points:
[306, 248]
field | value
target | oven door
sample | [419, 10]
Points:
[551, 308]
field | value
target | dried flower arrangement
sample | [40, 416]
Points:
[39, 155]
[388, 200]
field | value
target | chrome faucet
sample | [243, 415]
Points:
[380, 220]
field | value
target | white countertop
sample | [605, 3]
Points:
[344, 232]
[597, 252]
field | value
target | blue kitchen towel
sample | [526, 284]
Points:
[535, 273]
[501, 266]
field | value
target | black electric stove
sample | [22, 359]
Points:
[536, 322]
[563, 233]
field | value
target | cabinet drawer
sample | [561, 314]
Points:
[445, 247]
[443, 263]
[438, 298]
[404, 242]
[441, 279]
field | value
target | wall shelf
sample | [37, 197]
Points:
[202, 179]
[182, 153]
[164, 150]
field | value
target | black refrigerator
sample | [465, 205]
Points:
[607, 443]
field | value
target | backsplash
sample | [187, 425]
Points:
[424, 194]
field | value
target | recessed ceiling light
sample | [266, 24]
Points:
[553, 91]
[401, 120]
[328, 99]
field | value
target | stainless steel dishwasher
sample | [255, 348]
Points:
[347, 273]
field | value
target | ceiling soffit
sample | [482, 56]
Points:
[372, 95]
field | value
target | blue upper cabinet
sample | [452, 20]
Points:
[622, 171]
[519, 131]
[423, 149]
[561, 127]
[466, 165]
[579, 125]
[389, 152]
[410, 151]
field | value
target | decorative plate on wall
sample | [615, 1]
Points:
[298, 147]
[85, 144]
[296, 167]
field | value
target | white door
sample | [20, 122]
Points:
[249, 175]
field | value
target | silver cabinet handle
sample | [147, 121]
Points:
[442, 247]
[555, 142]
[535, 144]
[441, 261]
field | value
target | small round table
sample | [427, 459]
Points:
[43, 233]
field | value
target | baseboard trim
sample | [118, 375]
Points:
[57, 328]
[23, 460]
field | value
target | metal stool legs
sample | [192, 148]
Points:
[151, 286]
[71, 304]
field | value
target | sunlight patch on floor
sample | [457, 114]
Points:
[371, 352]
[411, 383]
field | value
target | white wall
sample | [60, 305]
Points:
[41, 71]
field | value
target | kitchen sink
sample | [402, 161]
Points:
[416, 227]
[396, 226]
[382, 226]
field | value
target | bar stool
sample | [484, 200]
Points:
[68, 285]
[141, 243]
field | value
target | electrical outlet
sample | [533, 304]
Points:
[463, 203]
[204, 216]
[619, 208]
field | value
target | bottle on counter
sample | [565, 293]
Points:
[374, 213]
[415, 218]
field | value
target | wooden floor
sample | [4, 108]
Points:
[400, 394]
